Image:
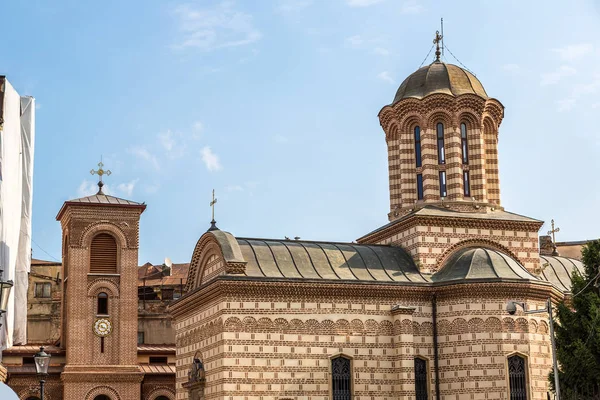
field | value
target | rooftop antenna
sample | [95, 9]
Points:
[442, 23]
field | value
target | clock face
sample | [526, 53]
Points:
[102, 327]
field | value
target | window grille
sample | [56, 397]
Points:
[420, 379]
[340, 374]
[517, 378]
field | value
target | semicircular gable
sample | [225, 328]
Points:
[220, 244]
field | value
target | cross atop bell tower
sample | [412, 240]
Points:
[100, 172]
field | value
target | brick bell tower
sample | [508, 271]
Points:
[99, 304]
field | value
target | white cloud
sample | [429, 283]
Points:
[381, 51]
[362, 3]
[234, 188]
[198, 126]
[513, 68]
[88, 188]
[574, 52]
[292, 6]
[355, 40]
[214, 28]
[551, 78]
[566, 104]
[385, 76]
[210, 159]
[143, 154]
[173, 148]
[126, 189]
[411, 7]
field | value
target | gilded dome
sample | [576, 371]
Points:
[439, 77]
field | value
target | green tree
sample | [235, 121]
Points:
[578, 332]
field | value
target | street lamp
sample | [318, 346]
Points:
[511, 307]
[42, 361]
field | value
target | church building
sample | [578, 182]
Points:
[415, 309]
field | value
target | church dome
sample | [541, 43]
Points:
[439, 77]
[477, 263]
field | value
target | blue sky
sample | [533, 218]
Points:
[274, 105]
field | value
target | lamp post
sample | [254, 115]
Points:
[42, 361]
[511, 307]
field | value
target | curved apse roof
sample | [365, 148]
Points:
[559, 270]
[476, 263]
[324, 260]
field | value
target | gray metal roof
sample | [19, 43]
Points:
[559, 270]
[434, 211]
[439, 77]
[104, 199]
[475, 263]
[327, 260]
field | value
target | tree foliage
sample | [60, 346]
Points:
[577, 330]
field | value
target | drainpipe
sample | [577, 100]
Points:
[435, 347]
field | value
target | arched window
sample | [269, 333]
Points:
[418, 146]
[440, 144]
[517, 375]
[420, 186]
[464, 143]
[103, 254]
[341, 379]
[467, 183]
[102, 304]
[421, 392]
[102, 397]
[443, 185]
[162, 398]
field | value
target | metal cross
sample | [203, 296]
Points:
[553, 231]
[436, 41]
[212, 204]
[100, 172]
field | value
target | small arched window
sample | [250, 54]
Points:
[103, 254]
[440, 144]
[341, 379]
[517, 375]
[464, 143]
[418, 146]
[102, 304]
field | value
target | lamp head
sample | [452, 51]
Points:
[42, 361]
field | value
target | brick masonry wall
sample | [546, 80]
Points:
[268, 341]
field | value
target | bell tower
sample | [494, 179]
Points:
[99, 305]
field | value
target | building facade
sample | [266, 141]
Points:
[415, 309]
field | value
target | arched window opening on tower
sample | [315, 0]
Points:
[102, 308]
[443, 192]
[420, 186]
[421, 389]
[103, 254]
[440, 144]
[418, 146]
[464, 143]
[467, 183]
[341, 379]
[517, 376]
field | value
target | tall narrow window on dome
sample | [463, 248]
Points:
[464, 143]
[443, 192]
[418, 146]
[421, 379]
[103, 254]
[341, 379]
[440, 144]
[420, 186]
[467, 183]
[102, 304]
[517, 376]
